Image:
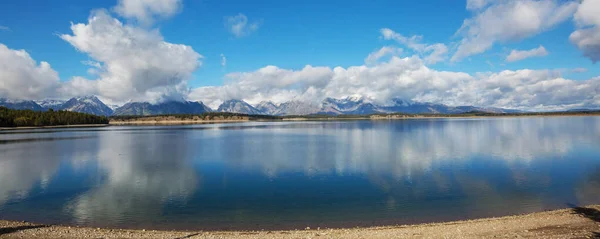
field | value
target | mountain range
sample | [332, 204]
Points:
[347, 106]
[20, 104]
[88, 104]
[239, 106]
[170, 107]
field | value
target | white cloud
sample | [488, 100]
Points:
[432, 53]
[267, 83]
[477, 4]
[407, 78]
[587, 36]
[136, 64]
[373, 57]
[223, 60]
[4, 28]
[79, 86]
[438, 53]
[579, 70]
[239, 26]
[145, 11]
[517, 55]
[588, 13]
[510, 20]
[21, 77]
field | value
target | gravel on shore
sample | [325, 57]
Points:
[581, 222]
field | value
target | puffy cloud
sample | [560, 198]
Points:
[535, 90]
[587, 36]
[588, 41]
[407, 78]
[223, 60]
[21, 77]
[238, 25]
[517, 55]
[373, 57]
[145, 11]
[588, 13]
[510, 20]
[432, 53]
[79, 86]
[267, 83]
[136, 64]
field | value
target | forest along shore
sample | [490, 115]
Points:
[176, 120]
[579, 222]
[215, 117]
[10, 118]
[211, 117]
[179, 119]
[55, 126]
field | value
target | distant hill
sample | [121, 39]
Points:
[21, 104]
[87, 104]
[171, 107]
[583, 110]
[238, 106]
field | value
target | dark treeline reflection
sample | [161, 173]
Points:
[293, 175]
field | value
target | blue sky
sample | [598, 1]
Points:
[293, 34]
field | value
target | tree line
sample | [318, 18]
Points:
[21, 118]
[204, 116]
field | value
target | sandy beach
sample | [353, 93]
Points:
[581, 222]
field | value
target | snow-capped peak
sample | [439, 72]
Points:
[50, 103]
[238, 106]
[87, 104]
[90, 99]
[355, 98]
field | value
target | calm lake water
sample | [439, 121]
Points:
[284, 175]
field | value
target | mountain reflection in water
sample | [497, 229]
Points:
[297, 174]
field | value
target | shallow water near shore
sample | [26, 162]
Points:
[292, 175]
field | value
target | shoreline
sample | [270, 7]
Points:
[151, 120]
[580, 222]
[172, 122]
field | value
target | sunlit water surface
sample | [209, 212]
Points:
[285, 175]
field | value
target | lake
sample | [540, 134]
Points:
[292, 175]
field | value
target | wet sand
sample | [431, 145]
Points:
[582, 222]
